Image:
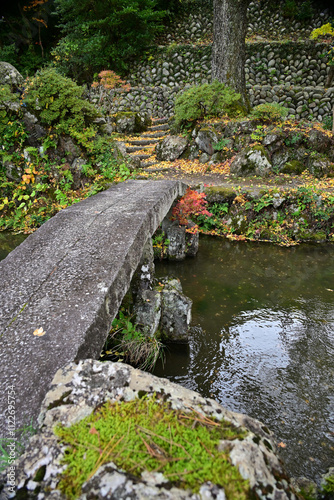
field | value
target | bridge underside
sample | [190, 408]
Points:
[68, 279]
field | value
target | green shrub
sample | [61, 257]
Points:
[305, 11]
[12, 131]
[8, 53]
[296, 10]
[207, 100]
[328, 122]
[58, 103]
[269, 112]
[290, 9]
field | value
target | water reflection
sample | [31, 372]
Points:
[8, 241]
[267, 348]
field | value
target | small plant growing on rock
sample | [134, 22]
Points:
[326, 31]
[109, 80]
[160, 244]
[127, 342]
[328, 487]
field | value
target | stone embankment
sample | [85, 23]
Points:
[267, 20]
[282, 64]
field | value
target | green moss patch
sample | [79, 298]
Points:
[293, 167]
[146, 434]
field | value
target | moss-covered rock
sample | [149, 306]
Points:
[293, 167]
[237, 127]
[219, 194]
[236, 453]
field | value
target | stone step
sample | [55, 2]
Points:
[143, 142]
[149, 164]
[141, 156]
[160, 127]
[133, 149]
[160, 120]
[155, 168]
[154, 136]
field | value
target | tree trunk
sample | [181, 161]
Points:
[229, 51]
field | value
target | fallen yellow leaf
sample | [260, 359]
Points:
[39, 332]
[281, 445]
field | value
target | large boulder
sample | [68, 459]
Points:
[171, 148]
[10, 76]
[251, 161]
[205, 140]
[319, 140]
[319, 166]
[80, 388]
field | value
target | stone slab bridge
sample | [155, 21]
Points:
[68, 279]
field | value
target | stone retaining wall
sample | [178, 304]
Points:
[276, 63]
[312, 103]
[292, 73]
[269, 19]
[302, 102]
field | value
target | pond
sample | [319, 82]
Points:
[266, 347]
[8, 241]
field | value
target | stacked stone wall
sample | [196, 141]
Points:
[312, 103]
[264, 18]
[290, 71]
[296, 63]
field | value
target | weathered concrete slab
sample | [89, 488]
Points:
[69, 278]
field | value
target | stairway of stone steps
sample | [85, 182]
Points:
[143, 146]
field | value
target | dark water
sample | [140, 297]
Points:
[8, 241]
[267, 348]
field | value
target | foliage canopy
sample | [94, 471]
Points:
[100, 34]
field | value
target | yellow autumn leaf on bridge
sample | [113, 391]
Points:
[39, 332]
